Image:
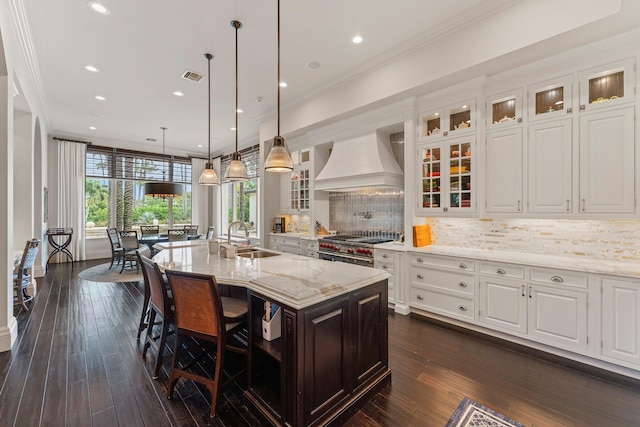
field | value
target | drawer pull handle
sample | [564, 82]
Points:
[522, 290]
[462, 308]
[385, 256]
[462, 284]
[419, 259]
[419, 297]
[462, 265]
[557, 279]
[500, 271]
[386, 267]
[420, 276]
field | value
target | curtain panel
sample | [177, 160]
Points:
[71, 200]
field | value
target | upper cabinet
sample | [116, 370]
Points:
[295, 193]
[504, 109]
[550, 99]
[453, 120]
[607, 85]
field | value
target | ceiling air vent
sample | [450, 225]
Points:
[191, 75]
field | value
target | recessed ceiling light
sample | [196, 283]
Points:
[313, 65]
[465, 106]
[92, 127]
[357, 40]
[437, 114]
[240, 110]
[99, 8]
[100, 98]
[283, 84]
[178, 93]
[91, 68]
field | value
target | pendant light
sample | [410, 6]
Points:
[162, 189]
[209, 176]
[236, 171]
[279, 158]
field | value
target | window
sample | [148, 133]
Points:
[240, 199]
[115, 196]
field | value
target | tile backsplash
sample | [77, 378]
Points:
[374, 212]
[615, 240]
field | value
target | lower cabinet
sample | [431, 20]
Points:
[391, 262]
[620, 320]
[329, 356]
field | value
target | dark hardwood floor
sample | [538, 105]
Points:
[77, 363]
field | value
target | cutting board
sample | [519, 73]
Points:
[421, 235]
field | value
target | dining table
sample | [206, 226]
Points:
[152, 239]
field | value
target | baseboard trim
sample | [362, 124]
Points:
[594, 371]
[8, 335]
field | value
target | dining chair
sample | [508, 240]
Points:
[146, 252]
[211, 232]
[149, 230]
[201, 313]
[160, 306]
[130, 246]
[192, 230]
[177, 234]
[117, 252]
[22, 276]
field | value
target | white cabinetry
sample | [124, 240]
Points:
[287, 244]
[504, 109]
[551, 99]
[549, 167]
[453, 120]
[295, 193]
[391, 262]
[607, 161]
[310, 248]
[443, 285]
[607, 86]
[549, 307]
[504, 171]
[621, 320]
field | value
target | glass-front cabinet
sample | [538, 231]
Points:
[550, 99]
[504, 109]
[447, 176]
[454, 119]
[299, 190]
[607, 85]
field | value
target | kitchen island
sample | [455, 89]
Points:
[332, 354]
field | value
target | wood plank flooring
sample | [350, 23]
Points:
[77, 363]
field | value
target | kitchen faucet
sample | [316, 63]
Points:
[241, 223]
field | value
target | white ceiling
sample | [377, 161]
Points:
[143, 47]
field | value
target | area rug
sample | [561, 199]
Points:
[101, 273]
[470, 413]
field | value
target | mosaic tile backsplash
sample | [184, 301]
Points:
[374, 213]
[614, 240]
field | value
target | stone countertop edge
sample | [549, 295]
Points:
[567, 262]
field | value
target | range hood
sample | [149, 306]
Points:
[366, 161]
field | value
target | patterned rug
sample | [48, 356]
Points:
[470, 413]
[101, 273]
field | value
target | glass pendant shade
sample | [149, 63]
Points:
[209, 176]
[162, 189]
[278, 159]
[236, 171]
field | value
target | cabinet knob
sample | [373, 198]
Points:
[569, 110]
[568, 205]
[462, 265]
[419, 297]
[557, 279]
[419, 276]
[584, 202]
[582, 107]
[386, 267]
[522, 290]
[385, 256]
[462, 284]
[519, 119]
[462, 308]
[500, 271]
[419, 259]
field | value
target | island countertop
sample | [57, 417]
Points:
[293, 280]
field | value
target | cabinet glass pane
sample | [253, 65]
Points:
[460, 117]
[431, 125]
[550, 100]
[503, 110]
[607, 87]
[460, 175]
[431, 161]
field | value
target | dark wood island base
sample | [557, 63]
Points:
[331, 358]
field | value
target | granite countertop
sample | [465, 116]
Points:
[294, 280]
[576, 263]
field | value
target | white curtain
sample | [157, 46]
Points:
[70, 203]
[202, 196]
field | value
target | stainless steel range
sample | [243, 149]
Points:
[352, 249]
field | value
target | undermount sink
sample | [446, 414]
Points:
[255, 253]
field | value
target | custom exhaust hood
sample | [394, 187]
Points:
[365, 161]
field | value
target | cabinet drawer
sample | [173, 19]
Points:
[384, 256]
[552, 276]
[312, 245]
[382, 265]
[442, 279]
[502, 270]
[443, 262]
[441, 303]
